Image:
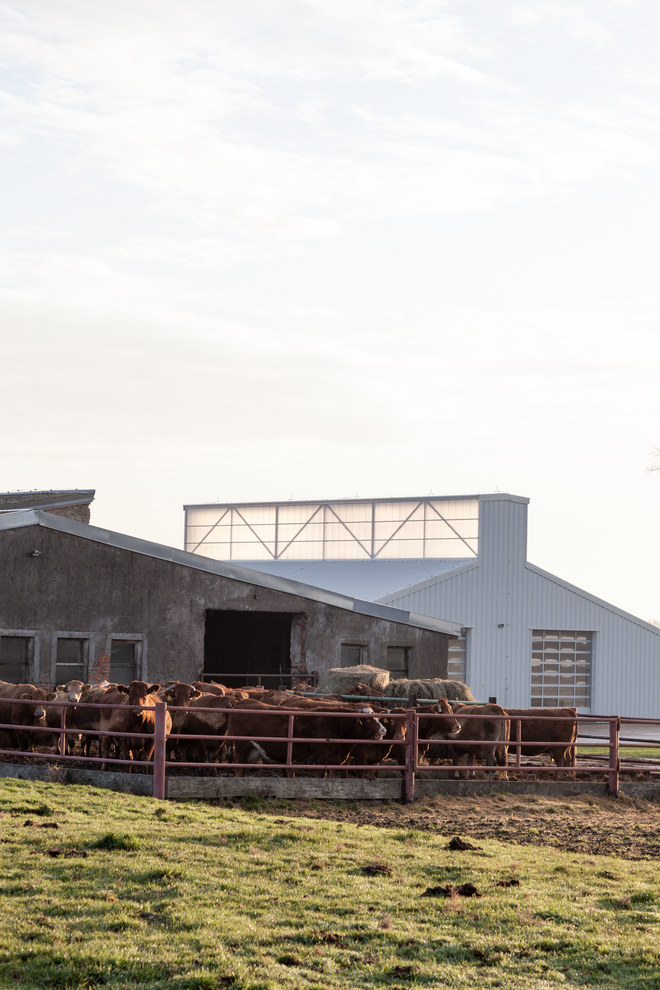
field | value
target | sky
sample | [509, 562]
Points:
[333, 248]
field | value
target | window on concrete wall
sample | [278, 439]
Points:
[124, 660]
[561, 668]
[15, 657]
[398, 661]
[456, 663]
[353, 654]
[71, 658]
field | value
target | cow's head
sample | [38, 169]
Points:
[180, 694]
[374, 728]
[139, 692]
[234, 697]
[396, 727]
[72, 690]
[445, 728]
[37, 709]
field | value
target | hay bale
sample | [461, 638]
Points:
[342, 680]
[429, 688]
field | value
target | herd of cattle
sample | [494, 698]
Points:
[210, 723]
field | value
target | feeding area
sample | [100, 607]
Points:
[204, 739]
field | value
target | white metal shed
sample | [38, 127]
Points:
[530, 638]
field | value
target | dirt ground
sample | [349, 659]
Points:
[605, 826]
[621, 826]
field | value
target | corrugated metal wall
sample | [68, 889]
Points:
[501, 598]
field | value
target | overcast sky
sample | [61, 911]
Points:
[324, 248]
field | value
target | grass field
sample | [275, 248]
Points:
[625, 752]
[106, 890]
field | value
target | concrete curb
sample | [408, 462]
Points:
[315, 788]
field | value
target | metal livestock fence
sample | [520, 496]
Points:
[408, 765]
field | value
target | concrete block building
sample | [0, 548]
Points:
[77, 600]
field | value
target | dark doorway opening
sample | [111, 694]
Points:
[248, 647]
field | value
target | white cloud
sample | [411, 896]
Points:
[572, 19]
[181, 110]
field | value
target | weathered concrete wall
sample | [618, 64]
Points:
[300, 788]
[99, 591]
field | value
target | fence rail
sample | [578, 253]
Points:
[407, 749]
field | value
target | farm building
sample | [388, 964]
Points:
[77, 601]
[528, 637]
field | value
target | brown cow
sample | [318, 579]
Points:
[124, 719]
[277, 698]
[209, 687]
[251, 719]
[325, 703]
[552, 730]
[255, 691]
[234, 695]
[86, 717]
[70, 692]
[178, 695]
[206, 715]
[436, 722]
[21, 706]
[395, 733]
[363, 753]
[366, 691]
[489, 727]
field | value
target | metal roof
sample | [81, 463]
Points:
[34, 517]
[367, 579]
[325, 501]
[52, 499]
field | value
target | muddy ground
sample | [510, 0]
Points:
[621, 826]
[605, 826]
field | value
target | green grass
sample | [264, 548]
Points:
[625, 752]
[129, 892]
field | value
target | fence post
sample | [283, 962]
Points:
[289, 746]
[62, 732]
[160, 750]
[518, 739]
[613, 777]
[411, 755]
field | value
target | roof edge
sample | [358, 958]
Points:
[503, 496]
[593, 598]
[468, 565]
[51, 505]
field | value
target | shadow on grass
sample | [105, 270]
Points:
[52, 971]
